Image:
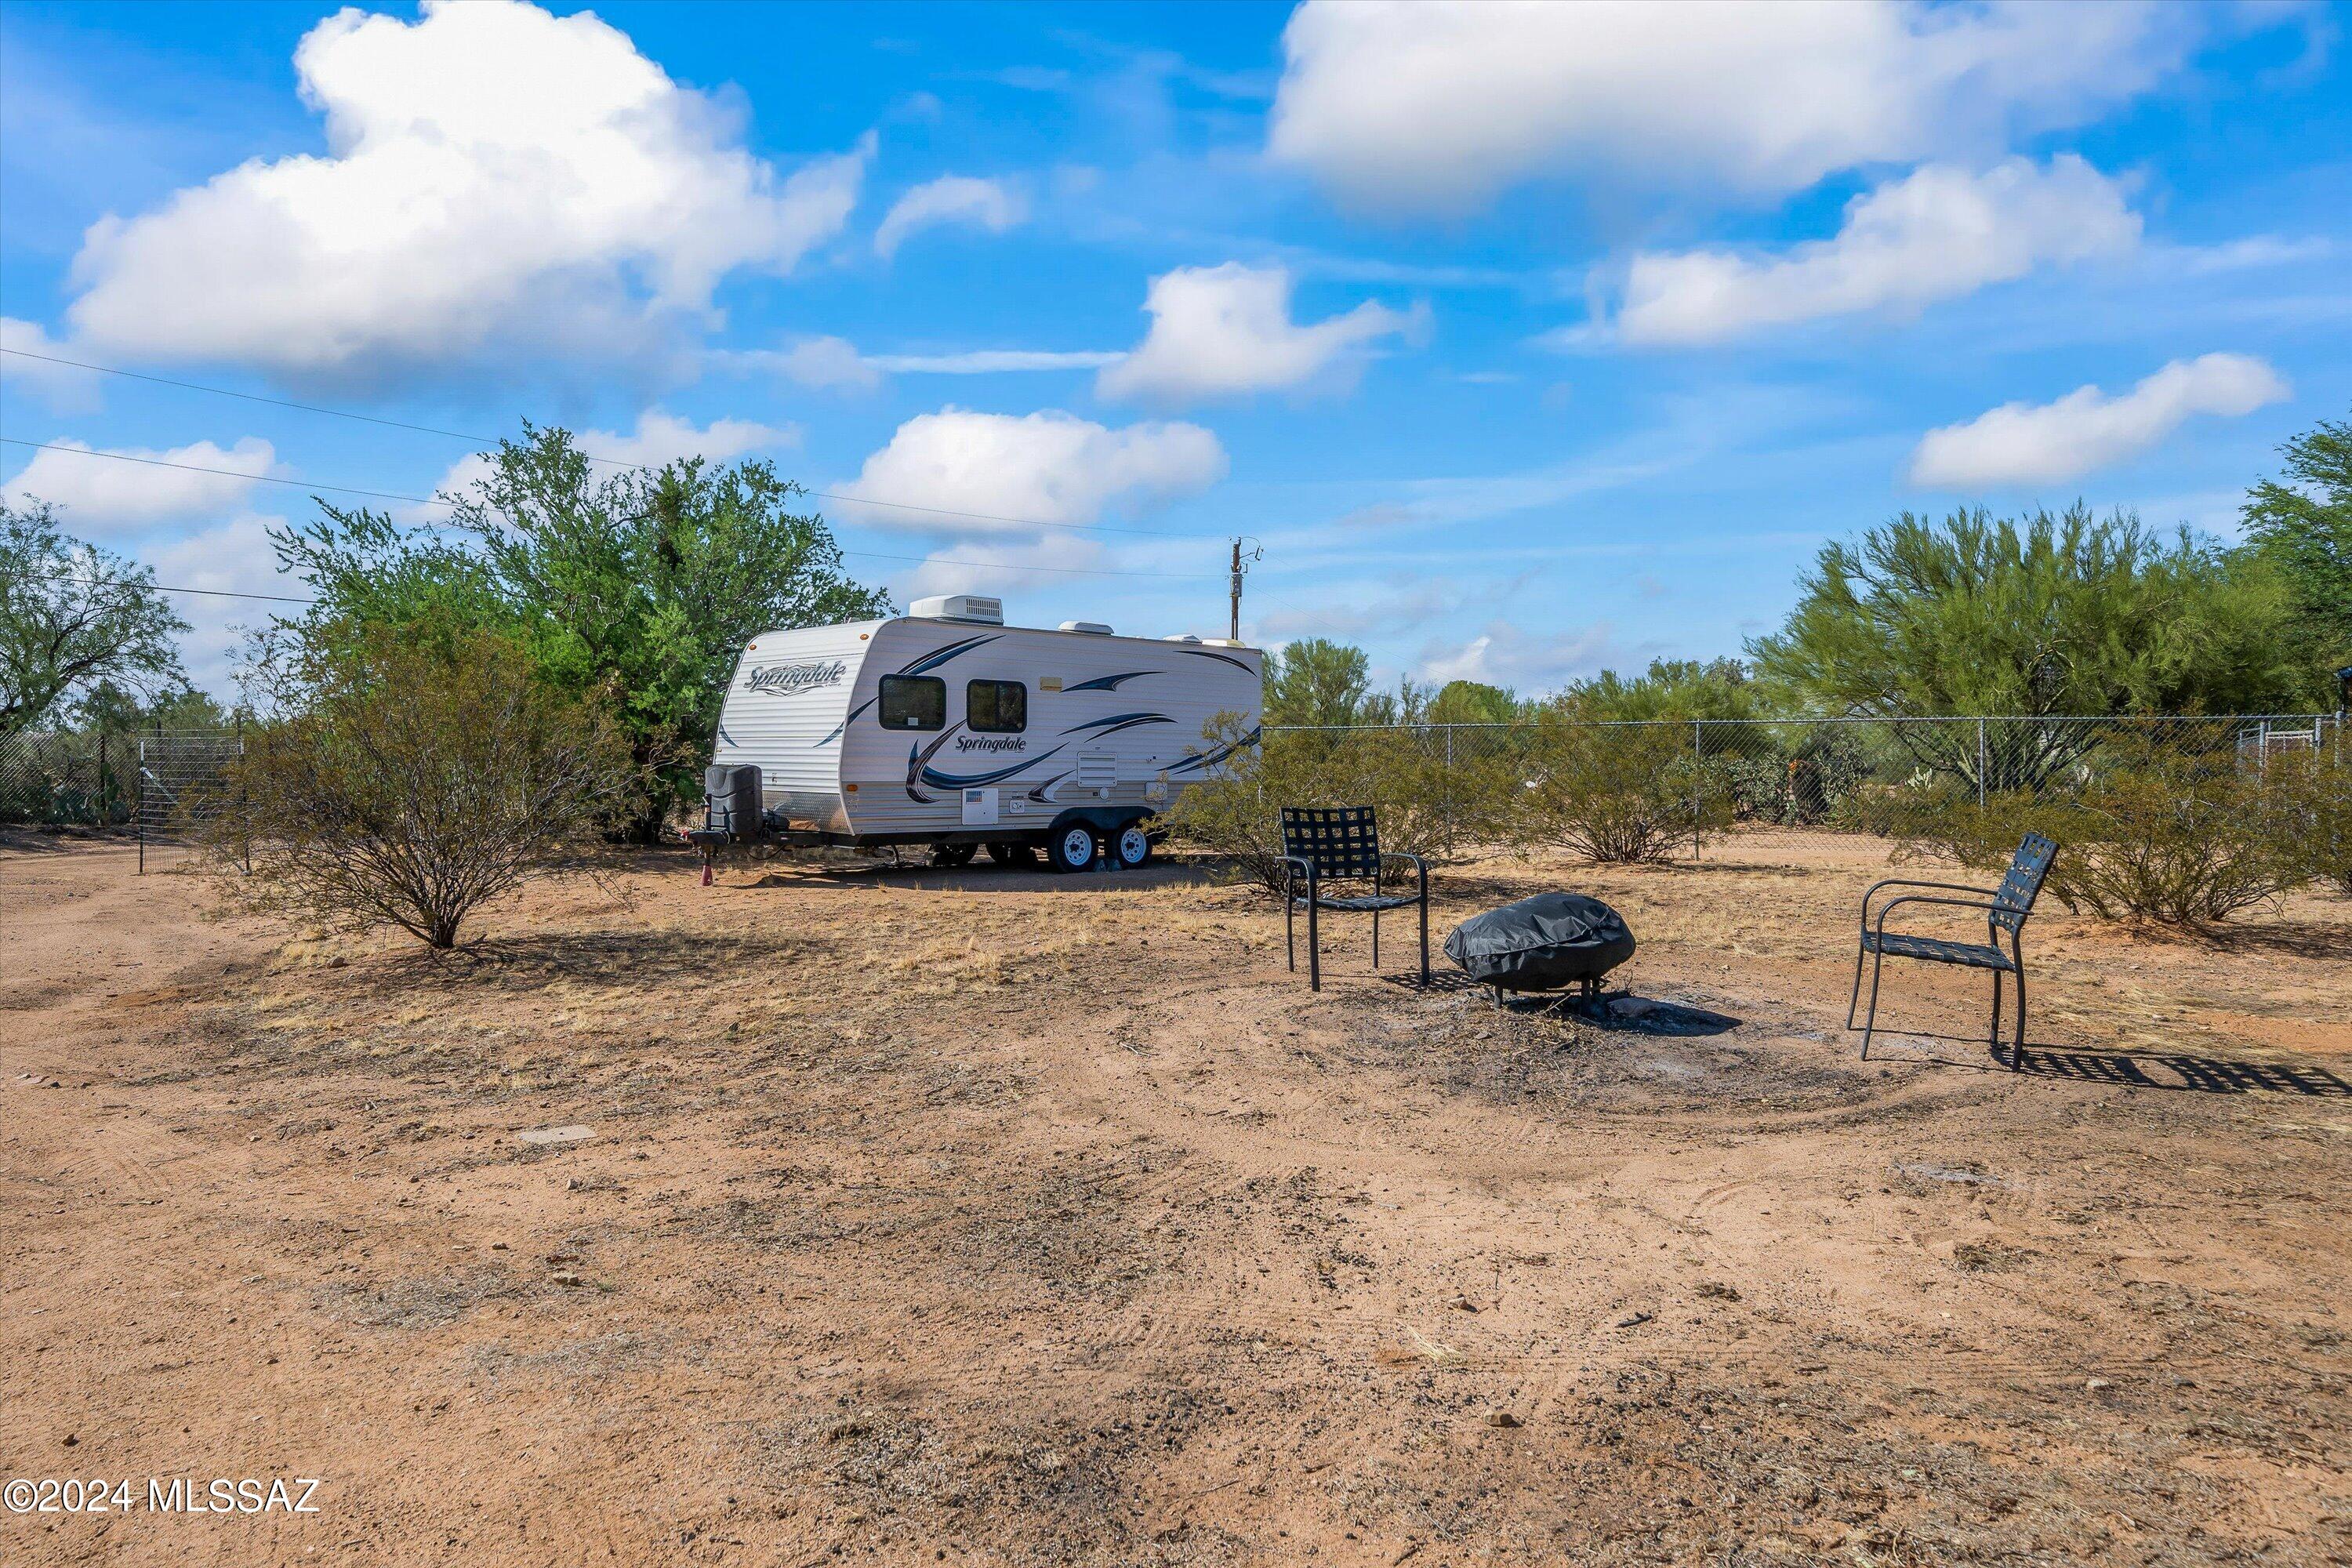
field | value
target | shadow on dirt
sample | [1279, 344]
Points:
[2176, 1071]
[1611, 1012]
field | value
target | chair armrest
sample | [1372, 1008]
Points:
[1872, 891]
[1291, 866]
[1892, 904]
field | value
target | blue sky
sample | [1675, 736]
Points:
[1523, 340]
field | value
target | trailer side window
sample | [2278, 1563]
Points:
[996, 707]
[914, 702]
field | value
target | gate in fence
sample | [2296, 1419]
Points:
[183, 784]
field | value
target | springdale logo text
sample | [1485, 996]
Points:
[790, 677]
[991, 744]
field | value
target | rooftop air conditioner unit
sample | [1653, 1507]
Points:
[1181, 637]
[975, 607]
[1092, 629]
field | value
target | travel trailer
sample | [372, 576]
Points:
[947, 727]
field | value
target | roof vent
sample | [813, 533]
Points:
[975, 607]
[1092, 629]
[1181, 637]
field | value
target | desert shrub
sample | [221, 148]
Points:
[2308, 814]
[2146, 833]
[1619, 793]
[411, 783]
[1426, 806]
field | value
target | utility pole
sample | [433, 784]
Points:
[1239, 567]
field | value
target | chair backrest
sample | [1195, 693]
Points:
[2022, 884]
[1337, 840]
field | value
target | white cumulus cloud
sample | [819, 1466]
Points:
[1423, 106]
[1935, 234]
[2046, 443]
[496, 181]
[103, 493]
[1048, 466]
[66, 388]
[1225, 332]
[1504, 654]
[951, 199]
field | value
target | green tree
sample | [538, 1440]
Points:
[72, 615]
[2302, 529]
[1472, 702]
[2047, 615]
[638, 586]
[109, 706]
[1317, 681]
[411, 783]
[2033, 617]
[1672, 689]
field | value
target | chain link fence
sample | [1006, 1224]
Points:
[161, 784]
[1751, 784]
[54, 777]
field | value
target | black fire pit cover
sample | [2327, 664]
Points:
[1543, 943]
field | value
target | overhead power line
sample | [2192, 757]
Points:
[445, 505]
[607, 462]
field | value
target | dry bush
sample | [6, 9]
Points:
[413, 784]
[1619, 793]
[1422, 803]
[2308, 806]
[2146, 833]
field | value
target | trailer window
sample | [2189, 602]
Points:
[914, 702]
[996, 707]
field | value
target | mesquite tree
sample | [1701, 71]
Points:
[407, 783]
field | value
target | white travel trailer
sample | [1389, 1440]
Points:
[949, 728]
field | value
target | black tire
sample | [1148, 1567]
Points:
[1071, 848]
[1013, 856]
[953, 855]
[1131, 849]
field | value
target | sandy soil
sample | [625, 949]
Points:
[990, 1217]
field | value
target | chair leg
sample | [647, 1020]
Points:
[1290, 931]
[1870, 1020]
[1375, 941]
[1855, 1000]
[1996, 1015]
[1425, 940]
[2016, 1052]
[1314, 945]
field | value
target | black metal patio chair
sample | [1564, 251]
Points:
[2006, 909]
[1341, 844]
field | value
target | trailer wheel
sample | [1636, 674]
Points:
[1071, 849]
[953, 855]
[1013, 856]
[1132, 847]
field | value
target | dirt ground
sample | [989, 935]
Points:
[993, 1217]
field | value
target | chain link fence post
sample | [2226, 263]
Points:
[1698, 787]
[1982, 754]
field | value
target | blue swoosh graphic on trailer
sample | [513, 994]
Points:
[1223, 657]
[1110, 683]
[954, 650]
[835, 733]
[1119, 721]
[939, 780]
[1210, 759]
